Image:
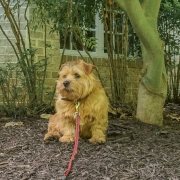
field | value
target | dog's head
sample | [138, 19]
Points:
[76, 80]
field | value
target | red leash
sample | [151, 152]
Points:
[75, 143]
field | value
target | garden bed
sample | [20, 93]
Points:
[133, 151]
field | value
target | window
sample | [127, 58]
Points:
[108, 34]
[95, 31]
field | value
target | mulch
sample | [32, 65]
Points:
[134, 150]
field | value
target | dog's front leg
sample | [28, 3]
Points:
[98, 134]
[68, 133]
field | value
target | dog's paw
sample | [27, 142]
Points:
[97, 140]
[66, 139]
[51, 134]
[46, 137]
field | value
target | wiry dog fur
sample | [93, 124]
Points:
[77, 83]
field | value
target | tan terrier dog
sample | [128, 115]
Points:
[77, 83]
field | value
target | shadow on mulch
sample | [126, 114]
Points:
[133, 151]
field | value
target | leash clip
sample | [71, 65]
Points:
[76, 107]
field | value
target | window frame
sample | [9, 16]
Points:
[99, 53]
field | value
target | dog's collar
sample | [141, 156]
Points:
[70, 100]
[66, 99]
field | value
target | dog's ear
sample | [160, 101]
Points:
[88, 67]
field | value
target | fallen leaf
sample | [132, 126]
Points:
[4, 162]
[123, 116]
[174, 116]
[21, 166]
[14, 124]
[112, 110]
[45, 116]
[106, 178]
[5, 118]
[58, 155]
[164, 132]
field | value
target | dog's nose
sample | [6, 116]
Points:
[66, 83]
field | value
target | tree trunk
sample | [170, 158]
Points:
[152, 87]
[149, 106]
[153, 84]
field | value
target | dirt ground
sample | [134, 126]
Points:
[133, 151]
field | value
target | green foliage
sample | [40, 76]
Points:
[18, 98]
[72, 19]
[59, 12]
[169, 28]
[22, 83]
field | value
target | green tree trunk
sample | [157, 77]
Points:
[151, 99]
[153, 83]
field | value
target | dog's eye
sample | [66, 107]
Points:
[77, 75]
[64, 76]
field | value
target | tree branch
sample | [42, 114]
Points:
[121, 4]
[140, 24]
[151, 7]
[12, 45]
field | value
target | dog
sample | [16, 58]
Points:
[77, 83]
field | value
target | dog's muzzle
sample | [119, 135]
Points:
[66, 83]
